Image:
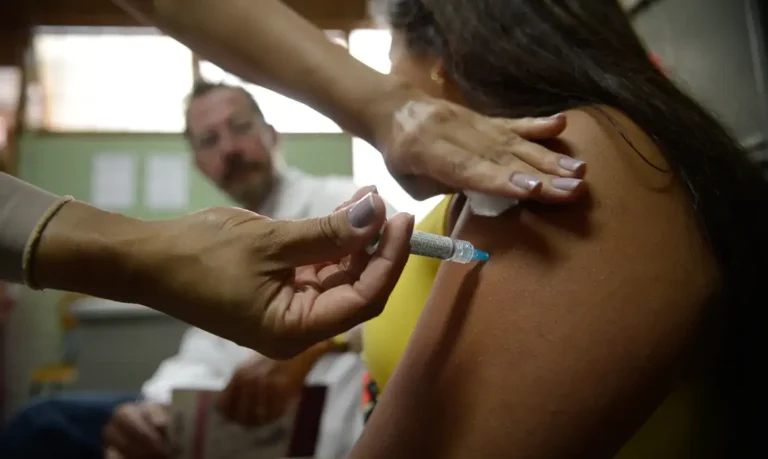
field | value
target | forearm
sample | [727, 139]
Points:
[48, 241]
[88, 250]
[266, 42]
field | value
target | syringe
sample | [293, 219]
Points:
[441, 247]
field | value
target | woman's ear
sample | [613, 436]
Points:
[444, 84]
[437, 73]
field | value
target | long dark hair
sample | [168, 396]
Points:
[517, 58]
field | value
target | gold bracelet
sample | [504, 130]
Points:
[34, 240]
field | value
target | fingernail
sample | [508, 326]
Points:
[525, 181]
[550, 119]
[570, 164]
[362, 213]
[565, 184]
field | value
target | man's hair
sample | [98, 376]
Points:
[203, 87]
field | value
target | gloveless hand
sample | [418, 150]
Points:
[262, 389]
[137, 430]
[274, 286]
[432, 146]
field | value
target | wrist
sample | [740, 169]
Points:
[88, 250]
[380, 113]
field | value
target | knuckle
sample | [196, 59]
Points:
[271, 240]
[549, 161]
[460, 166]
[218, 215]
[503, 147]
[509, 137]
[507, 160]
[514, 165]
[441, 114]
[404, 154]
[329, 230]
[467, 166]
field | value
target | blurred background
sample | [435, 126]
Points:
[86, 93]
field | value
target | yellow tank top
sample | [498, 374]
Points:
[673, 432]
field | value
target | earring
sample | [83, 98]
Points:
[436, 77]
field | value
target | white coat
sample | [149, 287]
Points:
[207, 362]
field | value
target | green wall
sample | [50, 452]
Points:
[61, 163]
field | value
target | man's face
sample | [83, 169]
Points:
[232, 144]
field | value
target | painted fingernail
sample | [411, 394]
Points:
[550, 119]
[367, 189]
[525, 181]
[565, 184]
[570, 164]
[363, 212]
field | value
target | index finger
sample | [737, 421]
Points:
[507, 140]
[342, 307]
[496, 158]
[534, 128]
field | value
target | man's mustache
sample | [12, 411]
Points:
[237, 165]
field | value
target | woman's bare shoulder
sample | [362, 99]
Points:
[569, 337]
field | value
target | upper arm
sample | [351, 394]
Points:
[568, 337]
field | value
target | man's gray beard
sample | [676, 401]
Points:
[253, 197]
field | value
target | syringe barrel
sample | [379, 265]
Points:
[431, 245]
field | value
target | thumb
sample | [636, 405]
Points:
[318, 240]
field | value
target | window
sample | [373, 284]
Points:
[371, 46]
[126, 79]
[10, 80]
[285, 114]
